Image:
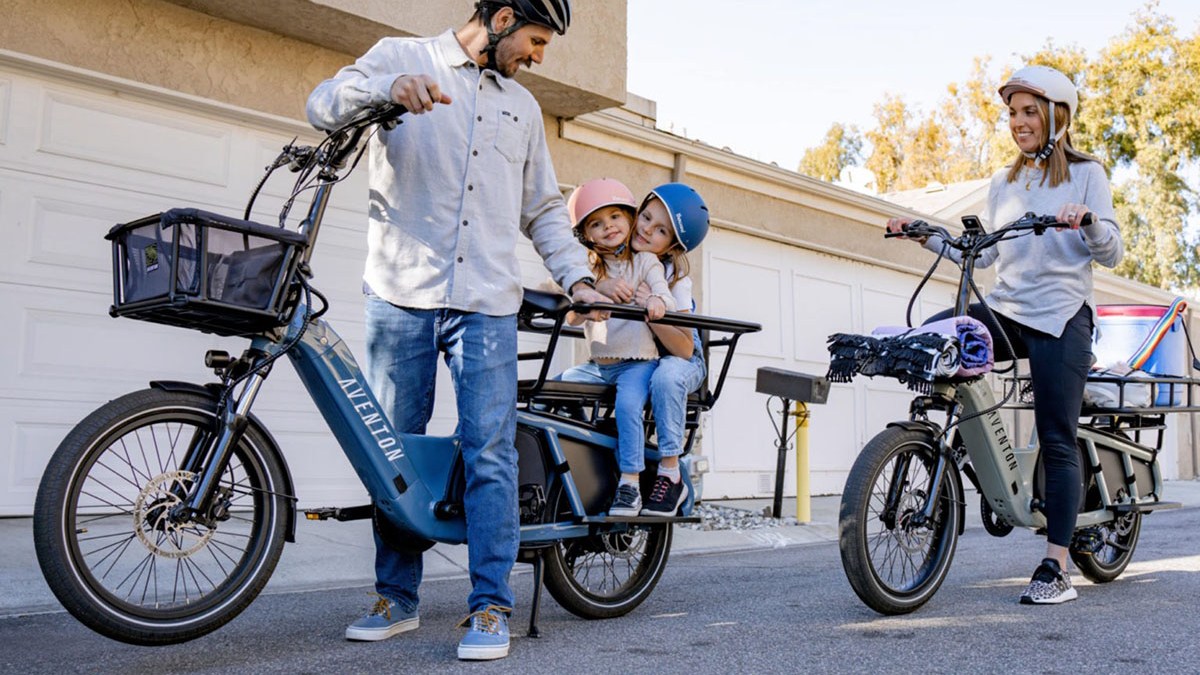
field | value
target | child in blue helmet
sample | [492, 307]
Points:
[671, 221]
[623, 352]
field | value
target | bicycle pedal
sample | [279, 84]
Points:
[1087, 542]
[324, 513]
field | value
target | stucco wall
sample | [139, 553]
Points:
[268, 54]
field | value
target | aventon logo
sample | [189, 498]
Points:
[371, 417]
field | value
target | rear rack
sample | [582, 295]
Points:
[1168, 394]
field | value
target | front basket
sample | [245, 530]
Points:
[204, 271]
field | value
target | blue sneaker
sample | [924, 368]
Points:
[383, 621]
[487, 635]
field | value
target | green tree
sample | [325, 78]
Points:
[1141, 116]
[887, 141]
[841, 148]
[1139, 113]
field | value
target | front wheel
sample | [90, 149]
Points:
[610, 573]
[106, 540]
[894, 557]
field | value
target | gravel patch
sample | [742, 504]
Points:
[725, 518]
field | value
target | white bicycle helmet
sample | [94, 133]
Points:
[1050, 84]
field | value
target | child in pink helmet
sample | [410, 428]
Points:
[671, 222]
[624, 352]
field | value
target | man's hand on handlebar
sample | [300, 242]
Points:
[417, 93]
[583, 293]
[899, 227]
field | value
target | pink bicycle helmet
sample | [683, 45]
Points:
[594, 195]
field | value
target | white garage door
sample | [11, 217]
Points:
[77, 156]
[800, 297]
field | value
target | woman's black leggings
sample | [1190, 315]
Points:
[1058, 367]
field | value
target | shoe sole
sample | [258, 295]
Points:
[683, 495]
[377, 634]
[1071, 594]
[623, 513]
[482, 653]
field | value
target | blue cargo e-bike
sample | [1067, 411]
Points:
[163, 513]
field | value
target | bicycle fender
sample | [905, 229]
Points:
[914, 425]
[213, 391]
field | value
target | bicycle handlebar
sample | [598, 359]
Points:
[978, 240]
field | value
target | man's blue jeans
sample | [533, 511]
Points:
[481, 351]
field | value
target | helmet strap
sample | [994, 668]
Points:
[494, 38]
[1042, 155]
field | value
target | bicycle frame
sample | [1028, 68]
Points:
[1126, 473]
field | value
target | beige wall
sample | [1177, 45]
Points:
[267, 55]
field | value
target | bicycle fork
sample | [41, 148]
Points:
[208, 454]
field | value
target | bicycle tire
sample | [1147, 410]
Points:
[584, 575]
[871, 549]
[1120, 540]
[108, 552]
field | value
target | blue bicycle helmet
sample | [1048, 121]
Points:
[689, 214]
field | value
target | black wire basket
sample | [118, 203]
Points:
[207, 272]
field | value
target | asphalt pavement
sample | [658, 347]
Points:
[330, 555]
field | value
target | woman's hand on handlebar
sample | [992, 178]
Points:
[899, 226]
[1074, 215]
[417, 93]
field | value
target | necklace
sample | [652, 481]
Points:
[1030, 175]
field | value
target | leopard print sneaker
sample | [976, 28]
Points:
[1050, 585]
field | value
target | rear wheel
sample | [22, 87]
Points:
[894, 558]
[106, 539]
[1120, 539]
[608, 574]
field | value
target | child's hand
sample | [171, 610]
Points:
[655, 308]
[643, 294]
[617, 289]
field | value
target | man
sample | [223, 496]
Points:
[450, 188]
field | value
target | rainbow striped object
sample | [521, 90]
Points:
[1157, 333]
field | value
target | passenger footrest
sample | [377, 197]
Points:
[342, 514]
[640, 520]
[1121, 509]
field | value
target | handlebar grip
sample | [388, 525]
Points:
[1087, 219]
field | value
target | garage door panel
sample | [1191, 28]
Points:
[823, 306]
[883, 308]
[143, 138]
[750, 292]
[32, 431]
[66, 344]
[741, 437]
[885, 403]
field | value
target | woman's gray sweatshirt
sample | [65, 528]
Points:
[1041, 281]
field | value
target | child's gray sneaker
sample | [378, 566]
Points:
[383, 621]
[628, 501]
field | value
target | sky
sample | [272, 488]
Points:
[767, 78]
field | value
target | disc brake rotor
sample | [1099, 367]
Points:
[152, 522]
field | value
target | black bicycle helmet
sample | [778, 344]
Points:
[553, 14]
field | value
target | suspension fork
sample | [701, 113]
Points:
[208, 457]
[919, 418]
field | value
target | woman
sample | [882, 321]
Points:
[1044, 287]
